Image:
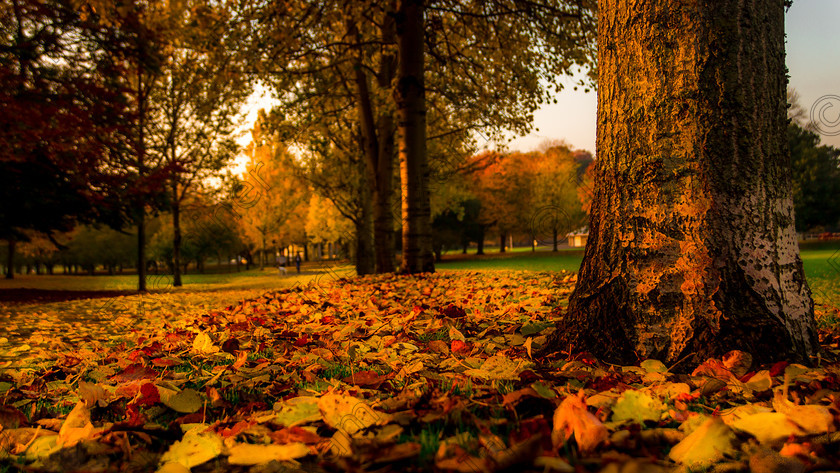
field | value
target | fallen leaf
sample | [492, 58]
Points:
[349, 414]
[186, 401]
[573, 418]
[76, 427]
[638, 407]
[198, 445]
[251, 454]
[708, 444]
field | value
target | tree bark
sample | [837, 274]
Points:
[176, 237]
[141, 252]
[365, 253]
[692, 250]
[502, 242]
[417, 254]
[10, 258]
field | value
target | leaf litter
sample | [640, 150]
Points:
[398, 373]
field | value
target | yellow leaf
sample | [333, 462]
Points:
[250, 454]
[42, 447]
[186, 401]
[638, 407]
[768, 427]
[496, 367]
[654, 366]
[197, 447]
[76, 427]
[349, 414]
[297, 410]
[204, 344]
[813, 419]
[705, 446]
[455, 334]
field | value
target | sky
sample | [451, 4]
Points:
[813, 60]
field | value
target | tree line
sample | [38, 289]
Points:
[118, 111]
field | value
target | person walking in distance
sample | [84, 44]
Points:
[297, 262]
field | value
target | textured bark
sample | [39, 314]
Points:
[176, 237]
[411, 112]
[365, 255]
[377, 133]
[10, 258]
[692, 250]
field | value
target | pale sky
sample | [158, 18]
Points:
[813, 60]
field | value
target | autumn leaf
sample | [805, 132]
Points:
[198, 445]
[250, 454]
[706, 445]
[573, 418]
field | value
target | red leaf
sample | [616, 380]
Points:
[778, 368]
[149, 395]
[302, 341]
[134, 373]
[365, 379]
[460, 347]
[166, 361]
[453, 311]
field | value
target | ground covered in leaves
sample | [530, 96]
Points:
[395, 373]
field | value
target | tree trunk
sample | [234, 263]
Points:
[377, 140]
[502, 241]
[176, 236]
[554, 236]
[383, 216]
[141, 252]
[411, 111]
[480, 250]
[692, 250]
[365, 253]
[262, 252]
[10, 258]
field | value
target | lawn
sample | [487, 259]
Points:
[821, 261]
[389, 373]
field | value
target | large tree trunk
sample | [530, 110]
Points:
[692, 250]
[414, 170]
[377, 132]
[176, 237]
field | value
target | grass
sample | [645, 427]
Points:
[821, 261]
[267, 278]
[518, 259]
[203, 292]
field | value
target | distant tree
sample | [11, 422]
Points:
[486, 72]
[555, 206]
[277, 208]
[196, 103]
[62, 109]
[692, 249]
[325, 224]
[89, 247]
[816, 180]
[504, 185]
